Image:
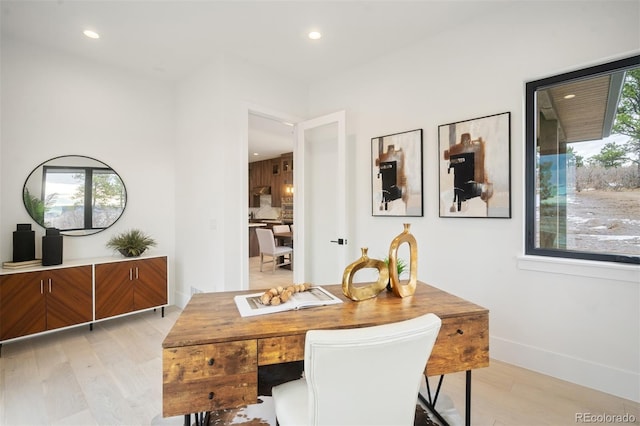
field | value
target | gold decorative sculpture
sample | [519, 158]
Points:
[366, 291]
[408, 288]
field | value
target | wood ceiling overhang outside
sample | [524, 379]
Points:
[590, 114]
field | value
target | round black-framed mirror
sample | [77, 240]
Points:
[76, 194]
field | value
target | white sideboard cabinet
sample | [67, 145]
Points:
[44, 298]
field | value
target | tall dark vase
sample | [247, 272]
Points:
[24, 243]
[52, 247]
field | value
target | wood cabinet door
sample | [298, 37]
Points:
[266, 172]
[150, 277]
[22, 304]
[253, 182]
[114, 288]
[276, 184]
[69, 296]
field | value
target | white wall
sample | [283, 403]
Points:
[211, 168]
[54, 104]
[580, 328]
[184, 150]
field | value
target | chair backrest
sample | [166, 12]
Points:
[280, 228]
[266, 241]
[368, 376]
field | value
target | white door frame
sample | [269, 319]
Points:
[299, 194]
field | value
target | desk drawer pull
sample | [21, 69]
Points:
[460, 331]
[211, 361]
[211, 395]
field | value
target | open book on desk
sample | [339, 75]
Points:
[250, 305]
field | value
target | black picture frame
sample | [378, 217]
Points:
[474, 159]
[397, 174]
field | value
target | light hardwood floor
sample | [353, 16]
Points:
[267, 279]
[113, 376]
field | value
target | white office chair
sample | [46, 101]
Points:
[364, 376]
[268, 247]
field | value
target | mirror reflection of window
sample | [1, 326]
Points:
[63, 191]
[78, 195]
[69, 206]
[108, 198]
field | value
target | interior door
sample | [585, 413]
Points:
[320, 215]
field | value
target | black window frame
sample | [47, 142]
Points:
[530, 161]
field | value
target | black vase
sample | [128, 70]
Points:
[24, 243]
[52, 247]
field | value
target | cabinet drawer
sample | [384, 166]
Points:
[188, 363]
[462, 344]
[276, 350]
[209, 377]
[179, 398]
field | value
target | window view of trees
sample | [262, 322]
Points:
[617, 166]
[587, 193]
[604, 209]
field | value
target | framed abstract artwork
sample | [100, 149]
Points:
[475, 167]
[396, 174]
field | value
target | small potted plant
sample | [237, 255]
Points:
[131, 243]
[401, 266]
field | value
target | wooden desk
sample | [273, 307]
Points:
[286, 238]
[284, 235]
[210, 357]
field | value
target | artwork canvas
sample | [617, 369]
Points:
[396, 174]
[475, 167]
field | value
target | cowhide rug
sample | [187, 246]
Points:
[263, 414]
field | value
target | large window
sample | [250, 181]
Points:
[583, 163]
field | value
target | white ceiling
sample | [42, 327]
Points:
[269, 138]
[167, 39]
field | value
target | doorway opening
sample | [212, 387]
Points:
[270, 146]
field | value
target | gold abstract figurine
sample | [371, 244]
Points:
[408, 288]
[366, 291]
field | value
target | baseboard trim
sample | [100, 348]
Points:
[604, 378]
[182, 299]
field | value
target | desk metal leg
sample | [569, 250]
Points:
[201, 419]
[467, 407]
[430, 404]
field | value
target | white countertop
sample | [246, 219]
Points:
[256, 225]
[69, 263]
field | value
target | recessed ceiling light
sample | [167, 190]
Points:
[570, 96]
[255, 153]
[91, 34]
[314, 35]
